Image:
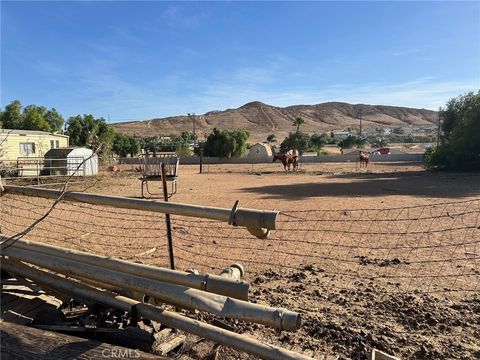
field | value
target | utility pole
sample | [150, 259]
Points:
[360, 117]
[192, 116]
[438, 126]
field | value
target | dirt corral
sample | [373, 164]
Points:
[385, 257]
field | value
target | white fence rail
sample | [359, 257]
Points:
[192, 160]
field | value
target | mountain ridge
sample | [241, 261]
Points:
[262, 119]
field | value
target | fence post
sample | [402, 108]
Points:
[167, 219]
[38, 170]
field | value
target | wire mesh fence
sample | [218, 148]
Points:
[121, 233]
[345, 258]
[428, 248]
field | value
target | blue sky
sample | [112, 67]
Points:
[140, 60]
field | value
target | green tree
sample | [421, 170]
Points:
[134, 145]
[318, 141]
[34, 118]
[297, 122]
[459, 147]
[121, 145]
[295, 141]
[157, 144]
[182, 143]
[352, 141]
[125, 145]
[183, 149]
[54, 119]
[226, 143]
[188, 136]
[377, 142]
[91, 132]
[12, 117]
[271, 139]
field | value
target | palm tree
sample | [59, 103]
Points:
[271, 139]
[297, 122]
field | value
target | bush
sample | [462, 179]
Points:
[459, 147]
[8, 171]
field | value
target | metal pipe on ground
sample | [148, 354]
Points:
[258, 222]
[99, 285]
[171, 319]
[177, 295]
[234, 271]
[210, 283]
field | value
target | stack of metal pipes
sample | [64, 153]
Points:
[124, 285]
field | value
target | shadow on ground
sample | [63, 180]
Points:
[414, 183]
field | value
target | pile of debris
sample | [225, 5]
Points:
[140, 306]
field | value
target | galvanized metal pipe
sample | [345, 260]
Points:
[171, 319]
[234, 271]
[210, 283]
[258, 221]
[170, 293]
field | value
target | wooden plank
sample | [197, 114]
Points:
[162, 334]
[32, 290]
[24, 308]
[22, 342]
[170, 345]
[77, 329]
[7, 298]
[19, 319]
[20, 304]
[22, 290]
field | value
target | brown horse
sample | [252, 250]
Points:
[364, 158]
[287, 161]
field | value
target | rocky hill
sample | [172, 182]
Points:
[262, 119]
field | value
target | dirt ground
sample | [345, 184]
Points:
[354, 251]
[314, 186]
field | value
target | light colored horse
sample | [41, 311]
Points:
[364, 158]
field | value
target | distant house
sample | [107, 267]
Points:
[339, 135]
[28, 143]
[260, 151]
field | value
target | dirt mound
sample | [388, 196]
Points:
[352, 320]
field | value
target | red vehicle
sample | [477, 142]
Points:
[382, 151]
